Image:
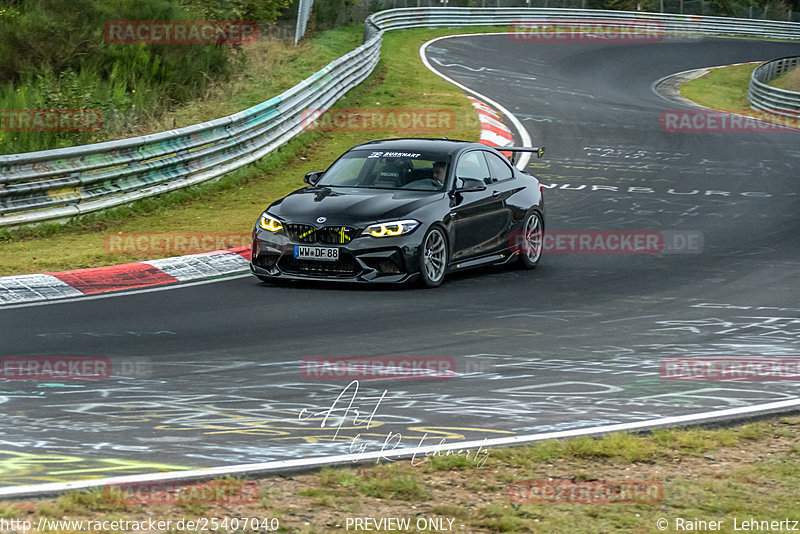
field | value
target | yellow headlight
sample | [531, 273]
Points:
[391, 229]
[386, 230]
[270, 224]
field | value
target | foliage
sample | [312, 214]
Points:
[54, 56]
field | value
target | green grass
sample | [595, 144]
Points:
[724, 88]
[232, 204]
[387, 481]
[789, 81]
[270, 68]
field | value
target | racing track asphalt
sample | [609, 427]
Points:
[575, 343]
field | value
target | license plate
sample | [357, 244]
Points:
[316, 253]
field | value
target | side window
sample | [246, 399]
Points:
[499, 169]
[472, 165]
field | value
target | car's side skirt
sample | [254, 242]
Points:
[496, 259]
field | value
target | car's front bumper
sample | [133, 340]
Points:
[364, 259]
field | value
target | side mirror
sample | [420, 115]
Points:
[313, 177]
[472, 184]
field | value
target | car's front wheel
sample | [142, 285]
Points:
[530, 251]
[433, 257]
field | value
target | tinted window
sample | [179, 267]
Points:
[387, 170]
[472, 165]
[498, 168]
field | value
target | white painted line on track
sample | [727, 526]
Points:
[306, 463]
[525, 137]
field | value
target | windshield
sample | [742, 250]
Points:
[415, 171]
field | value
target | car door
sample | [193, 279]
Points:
[479, 217]
[504, 186]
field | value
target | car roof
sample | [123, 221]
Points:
[445, 146]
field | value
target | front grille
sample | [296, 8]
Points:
[336, 235]
[302, 233]
[328, 235]
[345, 266]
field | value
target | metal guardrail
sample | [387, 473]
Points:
[764, 97]
[667, 23]
[61, 183]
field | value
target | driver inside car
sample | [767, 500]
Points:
[439, 173]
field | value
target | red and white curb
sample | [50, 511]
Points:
[493, 131]
[149, 273]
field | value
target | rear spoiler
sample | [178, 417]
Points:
[514, 149]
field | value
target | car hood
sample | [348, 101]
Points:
[350, 206]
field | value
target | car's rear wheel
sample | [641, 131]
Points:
[433, 257]
[530, 251]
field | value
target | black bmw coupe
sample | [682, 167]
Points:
[398, 210]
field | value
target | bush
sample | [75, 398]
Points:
[53, 55]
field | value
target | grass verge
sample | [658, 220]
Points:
[231, 205]
[742, 473]
[724, 88]
[789, 81]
